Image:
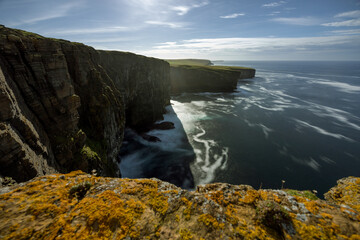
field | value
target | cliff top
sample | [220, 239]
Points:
[199, 62]
[82, 206]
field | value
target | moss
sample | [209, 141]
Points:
[272, 215]
[79, 190]
[306, 194]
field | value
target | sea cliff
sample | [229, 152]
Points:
[83, 206]
[190, 75]
[64, 105]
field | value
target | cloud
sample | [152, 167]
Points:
[91, 30]
[167, 24]
[236, 47]
[234, 15]
[351, 14]
[274, 13]
[51, 13]
[347, 32]
[302, 21]
[184, 9]
[274, 4]
[355, 22]
[347, 23]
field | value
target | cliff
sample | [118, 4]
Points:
[197, 78]
[64, 105]
[82, 206]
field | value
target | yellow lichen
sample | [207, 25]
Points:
[185, 234]
[210, 221]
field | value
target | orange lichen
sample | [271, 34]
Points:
[188, 208]
[210, 221]
[251, 197]
[185, 234]
[149, 209]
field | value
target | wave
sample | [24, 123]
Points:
[264, 129]
[209, 159]
[323, 131]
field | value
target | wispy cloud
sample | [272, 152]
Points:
[274, 13]
[54, 12]
[274, 4]
[346, 32]
[91, 30]
[181, 10]
[351, 14]
[234, 15]
[167, 24]
[302, 21]
[355, 22]
[347, 23]
[239, 46]
[184, 9]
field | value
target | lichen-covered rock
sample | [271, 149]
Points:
[64, 105]
[82, 206]
[346, 192]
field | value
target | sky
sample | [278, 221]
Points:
[209, 29]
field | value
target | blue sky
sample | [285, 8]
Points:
[212, 29]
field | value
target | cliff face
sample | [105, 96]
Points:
[81, 206]
[193, 78]
[64, 105]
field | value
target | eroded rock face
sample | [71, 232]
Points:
[64, 105]
[186, 78]
[82, 206]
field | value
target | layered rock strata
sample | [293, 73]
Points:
[82, 206]
[195, 78]
[64, 105]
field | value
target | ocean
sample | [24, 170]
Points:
[297, 122]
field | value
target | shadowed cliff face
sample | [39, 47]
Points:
[81, 206]
[64, 105]
[195, 78]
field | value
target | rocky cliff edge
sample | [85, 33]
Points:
[83, 206]
[64, 105]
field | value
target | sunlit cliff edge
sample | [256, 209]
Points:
[83, 206]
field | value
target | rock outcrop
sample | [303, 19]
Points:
[195, 78]
[82, 206]
[64, 105]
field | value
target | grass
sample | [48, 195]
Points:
[196, 62]
[212, 68]
[306, 194]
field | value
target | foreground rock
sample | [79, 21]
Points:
[196, 78]
[64, 105]
[81, 206]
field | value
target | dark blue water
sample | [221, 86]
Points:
[295, 121]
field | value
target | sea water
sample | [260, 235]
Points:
[297, 122]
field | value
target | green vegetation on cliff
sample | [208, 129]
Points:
[195, 76]
[198, 62]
